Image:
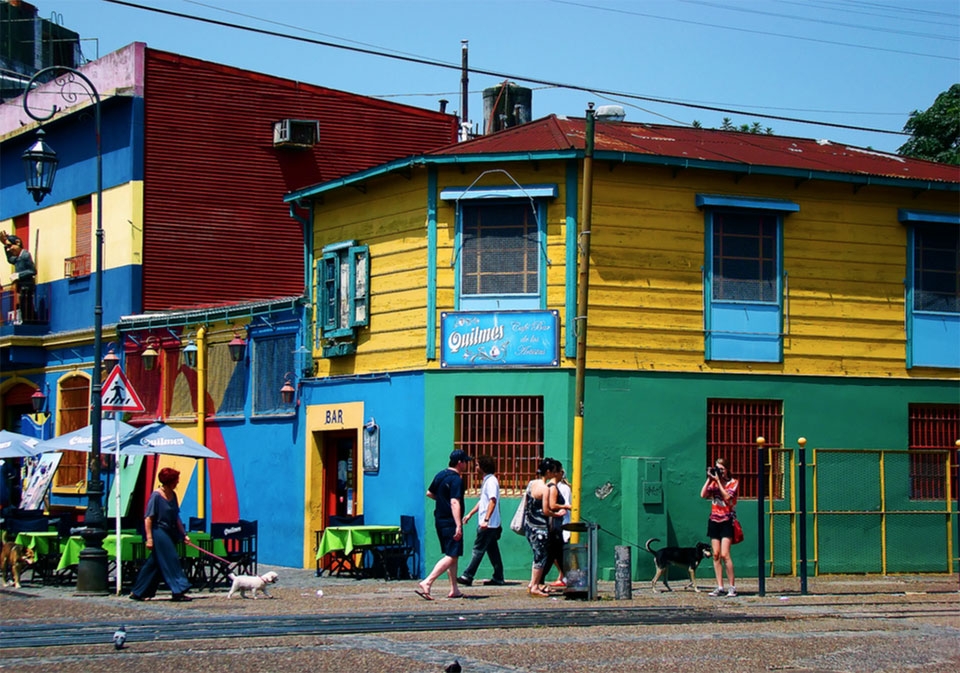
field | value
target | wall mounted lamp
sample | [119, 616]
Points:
[111, 359]
[150, 353]
[287, 392]
[238, 347]
[190, 353]
[39, 400]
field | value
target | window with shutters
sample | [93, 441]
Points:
[79, 263]
[732, 430]
[73, 413]
[273, 362]
[343, 297]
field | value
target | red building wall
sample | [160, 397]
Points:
[216, 229]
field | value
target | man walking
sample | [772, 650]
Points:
[488, 526]
[447, 490]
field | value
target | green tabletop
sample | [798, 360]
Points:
[40, 543]
[201, 539]
[345, 538]
[71, 550]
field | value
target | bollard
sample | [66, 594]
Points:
[624, 587]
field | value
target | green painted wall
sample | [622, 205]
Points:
[441, 390]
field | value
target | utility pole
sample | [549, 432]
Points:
[583, 294]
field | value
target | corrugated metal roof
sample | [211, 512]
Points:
[556, 134]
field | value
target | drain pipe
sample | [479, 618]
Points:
[202, 420]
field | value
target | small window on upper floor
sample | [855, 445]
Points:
[500, 246]
[343, 296]
[743, 277]
[933, 289]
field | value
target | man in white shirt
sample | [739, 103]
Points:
[488, 526]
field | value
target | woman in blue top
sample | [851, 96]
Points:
[163, 529]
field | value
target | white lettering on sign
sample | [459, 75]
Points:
[334, 416]
[474, 337]
[232, 531]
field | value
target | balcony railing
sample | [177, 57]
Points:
[76, 266]
[12, 312]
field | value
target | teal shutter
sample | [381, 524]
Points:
[359, 286]
[329, 291]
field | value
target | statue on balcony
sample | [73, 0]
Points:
[24, 275]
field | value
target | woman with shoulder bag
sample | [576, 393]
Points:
[541, 507]
[721, 489]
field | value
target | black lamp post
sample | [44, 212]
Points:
[41, 168]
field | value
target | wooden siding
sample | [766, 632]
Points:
[217, 229]
[844, 255]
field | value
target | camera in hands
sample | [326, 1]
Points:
[712, 471]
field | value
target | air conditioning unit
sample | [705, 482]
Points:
[296, 133]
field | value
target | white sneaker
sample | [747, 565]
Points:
[732, 592]
[716, 592]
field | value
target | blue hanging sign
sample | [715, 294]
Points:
[500, 339]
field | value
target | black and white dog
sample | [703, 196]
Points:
[689, 557]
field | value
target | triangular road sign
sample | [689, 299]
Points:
[118, 394]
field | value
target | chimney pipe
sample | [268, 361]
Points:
[443, 105]
[464, 86]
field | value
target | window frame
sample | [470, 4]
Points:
[726, 321]
[268, 380]
[933, 337]
[931, 434]
[537, 197]
[730, 424]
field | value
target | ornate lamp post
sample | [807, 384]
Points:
[41, 167]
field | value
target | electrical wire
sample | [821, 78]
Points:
[502, 75]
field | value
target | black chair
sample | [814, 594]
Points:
[197, 523]
[240, 542]
[336, 562]
[402, 560]
[25, 521]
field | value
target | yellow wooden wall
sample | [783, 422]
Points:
[844, 253]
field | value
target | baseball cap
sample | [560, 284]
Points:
[14, 240]
[460, 456]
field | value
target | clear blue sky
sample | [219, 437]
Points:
[852, 62]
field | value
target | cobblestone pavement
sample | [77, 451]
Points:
[843, 624]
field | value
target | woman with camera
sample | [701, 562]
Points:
[721, 489]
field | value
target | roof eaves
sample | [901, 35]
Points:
[208, 314]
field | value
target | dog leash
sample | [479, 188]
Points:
[219, 558]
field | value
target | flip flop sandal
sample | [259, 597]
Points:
[423, 594]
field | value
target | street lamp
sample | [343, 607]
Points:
[41, 167]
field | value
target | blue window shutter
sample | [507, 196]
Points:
[359, 286]
[329, 291]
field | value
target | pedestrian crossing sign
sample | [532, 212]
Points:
[118, 394]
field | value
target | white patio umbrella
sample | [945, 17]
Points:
[123, 439]
[15, 445]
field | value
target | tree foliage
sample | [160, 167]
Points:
[935, 132]
[728, 125]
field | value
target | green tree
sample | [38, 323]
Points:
[935, 132]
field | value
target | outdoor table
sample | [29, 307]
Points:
[40, 543]
[344, 542]
[73, 546]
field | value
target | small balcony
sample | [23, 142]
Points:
[74, 267]
[26, 314]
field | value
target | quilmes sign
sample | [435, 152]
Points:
[500, 339]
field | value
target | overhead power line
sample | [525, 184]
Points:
[503, 75]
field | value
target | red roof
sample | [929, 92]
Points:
[554, 134]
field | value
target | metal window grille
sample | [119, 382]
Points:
[508, 429]
[937, 269]
[82, 234]
[273, 357]
[74, 413]
[934, 428]
[500, 253]
[732, 430]
[745, 257]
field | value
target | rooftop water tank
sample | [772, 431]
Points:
[506, 105]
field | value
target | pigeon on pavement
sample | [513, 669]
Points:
[119, 638]
[454, 667]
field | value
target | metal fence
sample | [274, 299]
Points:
[869, 511]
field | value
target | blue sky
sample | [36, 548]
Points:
[860, 63]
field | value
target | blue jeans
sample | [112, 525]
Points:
[486, 543]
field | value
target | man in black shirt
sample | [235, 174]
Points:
[447, 490]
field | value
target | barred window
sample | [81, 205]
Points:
[226, 379]
[273, 358]
[74, 413]
[937, 269]
[933, 430]
[500, 249]
[732, 430]
[509, 429]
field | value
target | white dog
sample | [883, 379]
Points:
[254, 583]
